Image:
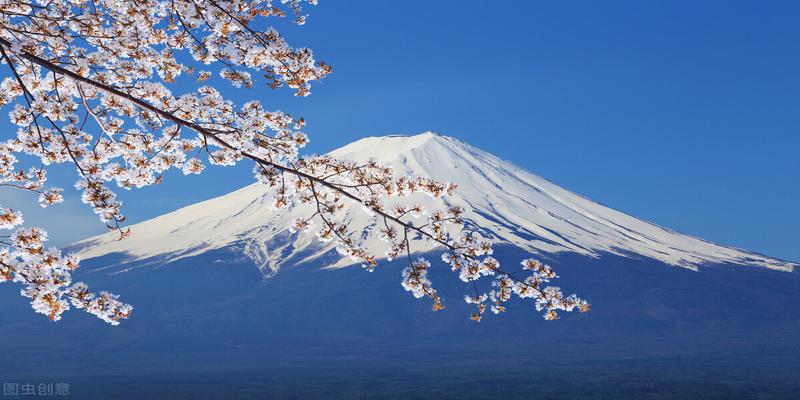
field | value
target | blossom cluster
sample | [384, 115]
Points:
[45, 274]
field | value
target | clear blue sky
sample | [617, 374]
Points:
[683, 113]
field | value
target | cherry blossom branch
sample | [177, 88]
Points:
[126, 45]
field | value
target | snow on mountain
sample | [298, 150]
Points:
[507, 203]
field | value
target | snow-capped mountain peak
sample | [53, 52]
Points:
[509, 204]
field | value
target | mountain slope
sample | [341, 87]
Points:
[507, 203]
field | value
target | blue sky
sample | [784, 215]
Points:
[683, 113]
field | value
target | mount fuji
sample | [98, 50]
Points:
[504, 202]
[224, 292]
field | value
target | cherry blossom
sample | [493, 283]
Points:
[91, 84]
